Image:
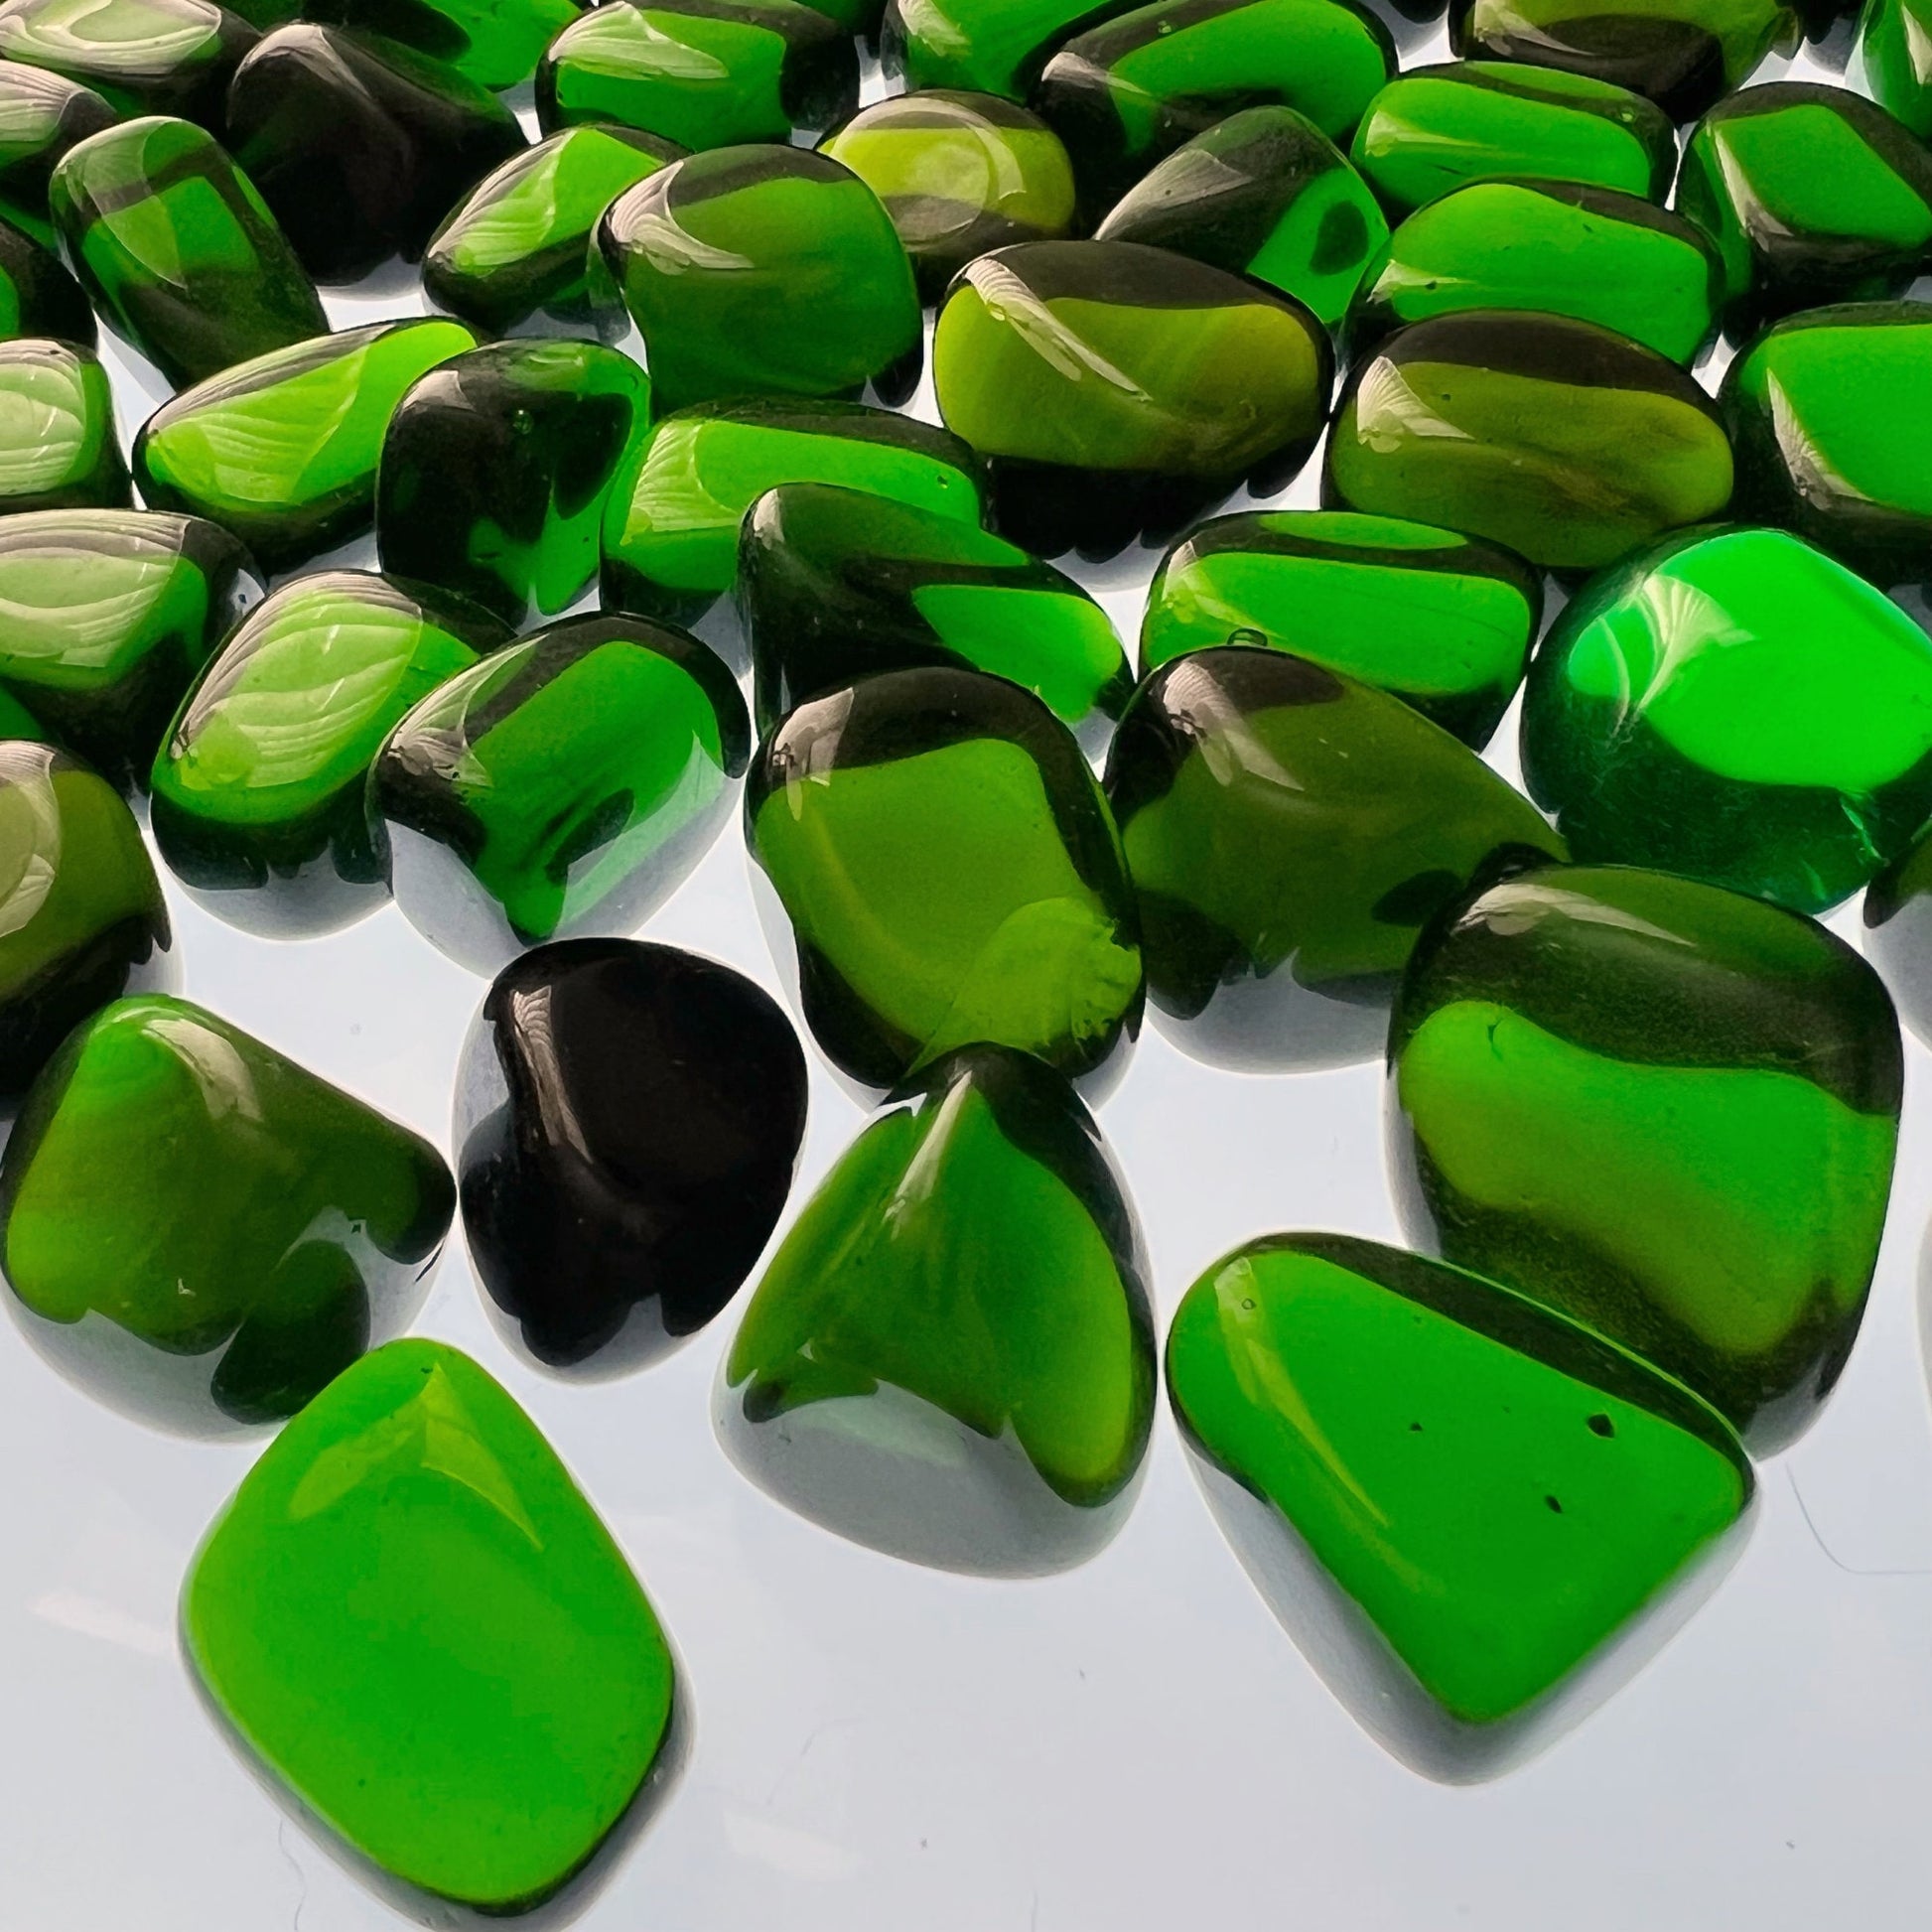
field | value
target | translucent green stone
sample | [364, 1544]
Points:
[258, 784]
[141, 56]
[1669, 1111]
[1894, 51]
[950, 1356]
[283, 450]
[1474, 1518]
[994, 47]
[1442, 621]
[41, 116]
[201, 1234]
[57, 448]
[495, 42]
[38, 296]
[951, 874]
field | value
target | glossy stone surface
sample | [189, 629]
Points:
[1442, 621]
[410, 1621]
[57, 448]
[258, 784]
[38, 296]
[994, 50]
[670, 528]
[1116, 389]
[496, 468]
[177, 251]
[1894, 51]
[111, 613]
[201, 1234]
[960, 174]
[495, 42]
[1566, 443]
[951, 874]
[563, 787]
[627, 1119]
[950, 1356]
[141, 56]
[41, 116]
[360, 146]
[1474, 1518]
[1587, 1062]
[283, 450]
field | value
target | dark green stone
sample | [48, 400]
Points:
[1899, 931]
[360, 146]
[1442, 621]
[495, 42]
[41, 116]
[951, 874]
[258, 785]
[950, 1357]
[177, 251]
[994, 47]
[495, 469]
[57, 447]
[1894, 51]
[38, 296]
[141, 56]
[1116, 389]
[1669, 1111]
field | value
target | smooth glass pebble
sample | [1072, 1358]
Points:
[495, 42]
[57, 447]
[41, 116]
[141, 56]
[1894, 56]
[994, 49]
[38, 296]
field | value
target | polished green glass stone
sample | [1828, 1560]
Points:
[1566, 443]
[561, 788]
[762, 271]
[950, 1357]
[960, 174]
[1264, 193]
[41, 116]
[38, 296]
[994, 47]
[1473, 1517]
[1442, 621]
[141, 56]
[1290, 832]
[258, 785]
[1666, 1109]
[834, 582]
[283, 450]
[701, 73]
[110, 615]
[1434, 128]
[496, 468]
[670, 528]
[1560, 247]
[1894, 51]
[951, 874]
[177, 251]
[1116, 389]
[516, 255]
[495, 42]
[16, 721]
[57, 448]
[203, 1233]
[1734, 706]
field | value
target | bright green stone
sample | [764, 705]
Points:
[41, 116]
[1473, 1517]
[57, 447]
[1894, 50]
[950, 1356]
[495, 42]
[412, 1622]
[994, 47]
[141, 56]
[1669, 1111]
[38, 296]
[201, 1234]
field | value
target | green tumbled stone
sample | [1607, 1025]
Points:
[1474, 1518]
[1566, 443]
[57, 448]
[994, 47]
[1116, 389]
[1894, 50]
[1442, 621]
[177, 251]
[41, 116]
[1434, 128]
[201, 1234]
[38, 296]
[562, 788]
[951, 874]
[1668, 1110]
[950, 1357]
[670, 528]
[959, 174]
[495, 469]
[141, 56]
[283, 450]
[1734, 706]
[495, 42]
[258, 785]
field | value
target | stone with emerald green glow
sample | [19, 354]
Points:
[57, 447]
[1895, 48]
[41, 116]
[1474, 1518]
[38, 296]
[141, 56]
[1666, 1109]
[495, 42]
[201, 1234]
[951, 874]
[995, 49]
[950, 1356]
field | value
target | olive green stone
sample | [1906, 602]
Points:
[1564, 442]
[1442, 621]
[495, 42]
[950, 1357]
[57, 448]
[1474, 1518]
[671, 525]
[41, 116]
[952, 875]
[283, 450]
[994, 47]
[203, 1233]
[1894, 51]
[141, 56]
[177, 251]
[1669, 1111]
[38, 296]
[258, 785]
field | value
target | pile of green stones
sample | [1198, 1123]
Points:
[1643, 1108]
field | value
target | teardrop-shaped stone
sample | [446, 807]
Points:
[38, 296]
[141, 56]
[495, 42]
[41, 116]
[58, 447]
